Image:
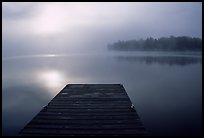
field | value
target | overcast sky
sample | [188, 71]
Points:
[54, 28]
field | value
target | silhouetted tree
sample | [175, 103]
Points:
[181, 43]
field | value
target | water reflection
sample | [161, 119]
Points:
[162, 60]
[20, 103]
[53, 80]
[30, 83]
[31, 56]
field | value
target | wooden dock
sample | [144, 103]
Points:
[87, 110]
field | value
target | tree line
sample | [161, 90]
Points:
[181, 43]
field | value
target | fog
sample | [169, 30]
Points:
[64, 28]
[46, 46]
[166, 90]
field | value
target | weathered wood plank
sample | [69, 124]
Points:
[85, 132]
[70, 102]
[85, 122]
[73, 117]
[87, 99]
[89, 105]
[87, 114]
[81, 127]
[78, 110]
[86, 107]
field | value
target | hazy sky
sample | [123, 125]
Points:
[54, 28]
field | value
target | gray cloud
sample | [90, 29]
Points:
[33, 28]
[16, 10]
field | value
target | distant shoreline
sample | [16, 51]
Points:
[166, 44]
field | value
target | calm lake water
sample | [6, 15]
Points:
[165, 88]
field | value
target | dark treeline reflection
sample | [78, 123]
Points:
[163, 60]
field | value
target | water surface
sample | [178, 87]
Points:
[166, 88]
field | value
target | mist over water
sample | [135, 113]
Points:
[67, 28]
[162, 89]
[48, 45]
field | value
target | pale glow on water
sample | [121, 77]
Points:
[53, 80]
[31, 56]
